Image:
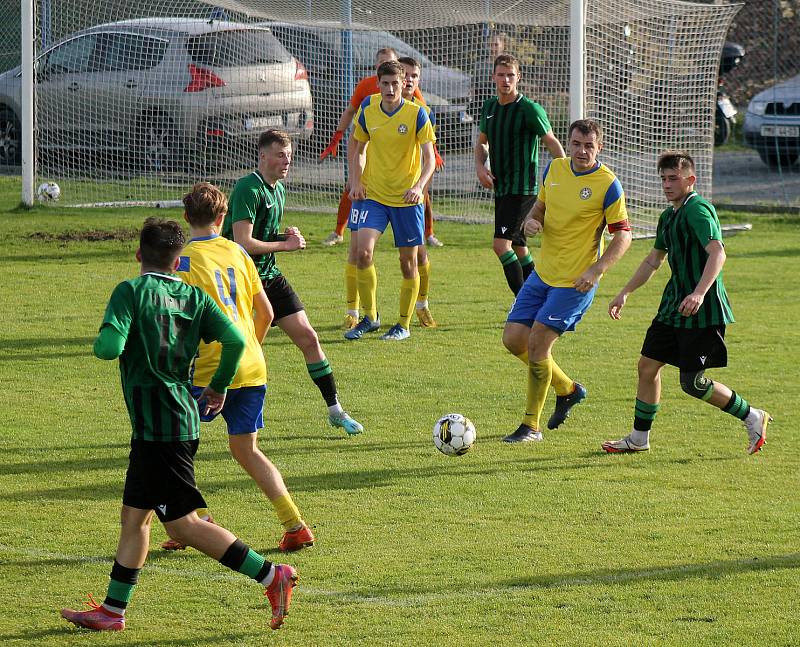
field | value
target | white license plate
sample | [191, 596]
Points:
[263, 122]
[780, 131]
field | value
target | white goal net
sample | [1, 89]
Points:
[136, 100]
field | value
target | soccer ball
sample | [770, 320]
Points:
[48, 192]
[453, 434]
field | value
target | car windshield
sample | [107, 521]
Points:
[237, 48]
[366, 43]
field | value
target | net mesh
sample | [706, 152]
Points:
[137, 100]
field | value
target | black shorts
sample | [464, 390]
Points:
[509, 212]
[161, 477]
[690, 349]
[282, 297]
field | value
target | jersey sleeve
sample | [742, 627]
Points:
[482, 125]
[542, 195]
[360, 132]
[614, 203]
[703, 221]
[425, 132]
[252, 272]
[659, 242]
[537, 120]
[213, 322]
[243, 203]
[364, 88]
[432, 117]
[119, 311]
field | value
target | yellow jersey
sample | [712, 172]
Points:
[223, 270]
[578, 206]
[394, 161]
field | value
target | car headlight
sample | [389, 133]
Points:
[757, 107]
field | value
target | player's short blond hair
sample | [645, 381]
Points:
[507, 60]
[204, 204]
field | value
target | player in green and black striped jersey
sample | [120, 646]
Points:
[154, 324]
[254, 220]
[689, 328]
[511, 127]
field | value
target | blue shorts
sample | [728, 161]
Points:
[408, 223]
[558, 308]
[243, 410]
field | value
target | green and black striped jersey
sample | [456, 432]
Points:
[514, 131]
[684, 234]
[163, 320]
[254, 200]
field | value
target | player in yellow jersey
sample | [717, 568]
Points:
[227, 273]
[387, 181]
[579, 197]
[411, 93]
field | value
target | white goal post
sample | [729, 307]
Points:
[138, 99]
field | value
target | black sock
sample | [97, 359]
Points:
[513, 270]
[322, 375]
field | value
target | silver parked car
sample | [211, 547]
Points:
[772, 123]
[163, 91]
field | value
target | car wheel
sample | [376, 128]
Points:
[156, 144]
[782, 159]
[722, 129]
[10, 138]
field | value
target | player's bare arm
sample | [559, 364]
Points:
[534, 221]
[414, 194]
[481, 155]
[357, 163]
[716, 259]
[649, 266]
[620, 242]
[553, 145]
[262, 315]
[243, 235]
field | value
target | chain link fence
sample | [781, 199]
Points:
[760, 163]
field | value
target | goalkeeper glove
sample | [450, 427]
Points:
[333, 146]
[438, 159]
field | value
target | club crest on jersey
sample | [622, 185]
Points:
[402, 129]
[585, 193]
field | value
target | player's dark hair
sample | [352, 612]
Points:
[587, 127]
[391, 68]
[676, 160]
[272, 136]
[160, 243]
[204, 204]
[385, 51]
[408, 60]
[507, 60]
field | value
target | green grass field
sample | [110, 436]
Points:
[553, 543]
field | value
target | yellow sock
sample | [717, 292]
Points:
[368, 290]
[287, 511]
[408, 297]
[424, 281]
[351, 286]
[561, 383]
[523, 357]
[203, 513]
[539, 376]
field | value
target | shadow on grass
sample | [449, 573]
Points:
[71, 634]
[707, 570]
[16, 350]
[65, 253]
[786, 252]
[72, 466]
